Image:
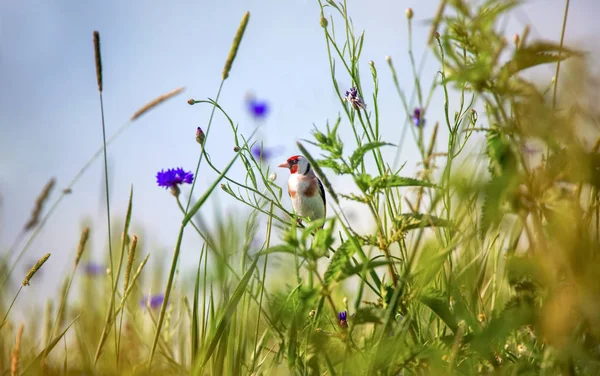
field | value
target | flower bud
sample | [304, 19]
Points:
[191, 101]
[409, 13]
[272, 177]
[200, 136]
[324, 22]
[516, 39]
[236, 148]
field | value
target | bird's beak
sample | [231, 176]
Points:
[284, 165]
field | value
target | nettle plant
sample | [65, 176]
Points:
[471, 273]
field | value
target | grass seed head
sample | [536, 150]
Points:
[35, 268]
[155, 102]
[235, 45]
[98, 60]
[34, 219]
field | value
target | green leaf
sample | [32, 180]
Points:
[292, 348]
[51, 345]
[534, 54]
[410, 221]
[391, 181]
[363, 181]
[372, 264]
[195, 321]
[359, 153]
[440, 305]
[365, 315]
[282, 248]
[339, 262]
[516, 314]
[228, 312]
[353, 197]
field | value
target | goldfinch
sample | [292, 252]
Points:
[305, 189]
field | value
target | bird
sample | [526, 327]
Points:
[305, 189]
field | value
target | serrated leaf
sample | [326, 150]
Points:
[292, 348]
[495, 193]
[440, 305]
[392, 181]
[534, 54]
[363, 181]
[354, 197]
[329, 163]
[359, 153]
[410, 221]
[516, 314]
[339, 262]
[365, 315]
[372, 264]
[282, 248]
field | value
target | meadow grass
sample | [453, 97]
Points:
[484, 262]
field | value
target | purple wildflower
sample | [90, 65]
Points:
[93, 269]
[263, 154]
[342, 317]
[354, 99]
[417, 118]
[153, 301]
[172, 178]
[258, 109]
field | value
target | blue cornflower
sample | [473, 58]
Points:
[258, 109]
[172, 178]
[153, 301]
[342, 317]
[93, 269]
[354, 99]
[417, 118]
[263, 154]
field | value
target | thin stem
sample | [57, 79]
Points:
[262, 290]
[10, 307]
[562, 38]
[210, 119]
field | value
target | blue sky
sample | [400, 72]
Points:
[49, 109]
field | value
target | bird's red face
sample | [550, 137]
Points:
[291, 163]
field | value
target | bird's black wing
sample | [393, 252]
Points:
[322, 193]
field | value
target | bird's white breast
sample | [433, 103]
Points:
[311, 207]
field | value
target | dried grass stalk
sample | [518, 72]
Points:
[34, 219]
[130, 258]
[14, 365]
[82, 242]
[155, 102]
[436, 22]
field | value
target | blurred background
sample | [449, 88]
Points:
[50, 116]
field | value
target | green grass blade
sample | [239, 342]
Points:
[228, 312]
[36, 362]
[195, 324]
